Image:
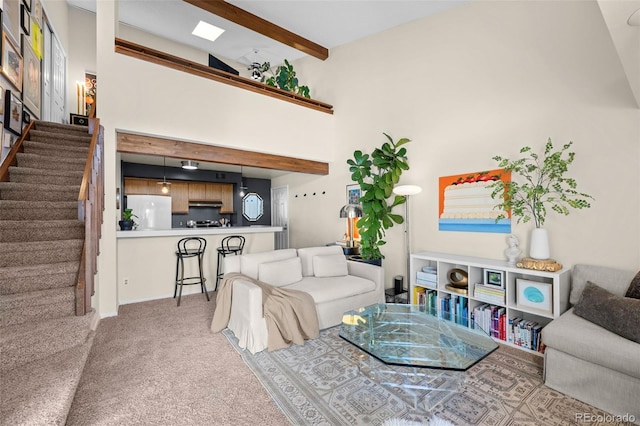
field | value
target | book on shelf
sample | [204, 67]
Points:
[425, 299]
[489, 294]
[525, 333]
[427, 276]
[491, 319]
[427, 284]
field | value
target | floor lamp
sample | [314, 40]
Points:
[350, 211]
[406, 191]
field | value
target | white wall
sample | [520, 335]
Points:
[480, 80]
[81, 53]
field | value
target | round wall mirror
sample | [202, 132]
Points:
[252, 208]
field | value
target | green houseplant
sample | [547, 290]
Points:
[285, 78]
[377, 174]
[127, 223]
[542, 187]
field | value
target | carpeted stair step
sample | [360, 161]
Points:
[34, 253]
[60, 139]
[49, 126]
[41, 392]
[51, 150]
[53, 177]
[37, 305]
[35, 161]
[28, 342]
[45, 276]
[40, 230]
[38, 192]
[38, 210]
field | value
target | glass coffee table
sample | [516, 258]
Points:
[418, 354]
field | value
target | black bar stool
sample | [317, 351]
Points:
[190, 247]
[233, 244]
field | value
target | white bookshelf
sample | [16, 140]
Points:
[475, 269]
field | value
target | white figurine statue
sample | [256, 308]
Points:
[513, 251]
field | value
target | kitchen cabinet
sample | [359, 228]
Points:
[179, 197]
[213, 191]
[197, 191]
[183, 192]
[227, 198]
[136, 186]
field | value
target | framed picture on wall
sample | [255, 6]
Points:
[11, 19]
[25, 19]
[2, 103]
[13, 113]
[31, 80]
[28, 4]
[36, 39]
[11, 62]
[37, 12]
[353, 194]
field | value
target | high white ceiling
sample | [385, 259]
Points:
[330, 23]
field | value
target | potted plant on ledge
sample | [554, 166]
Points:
[377, 174]
[542, 187]
[127, 223]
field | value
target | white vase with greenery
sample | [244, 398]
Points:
[539, 186]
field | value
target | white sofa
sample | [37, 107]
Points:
[588, 362]
[335, 284]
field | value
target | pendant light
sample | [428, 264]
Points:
[242, 187]
[164, 183]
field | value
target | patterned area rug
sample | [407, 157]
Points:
[320, 384]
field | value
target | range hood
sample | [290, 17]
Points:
[205, 204]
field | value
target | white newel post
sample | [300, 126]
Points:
[539, 245]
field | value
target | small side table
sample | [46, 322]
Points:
[391, 296]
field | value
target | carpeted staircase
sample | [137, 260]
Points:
[44, 345]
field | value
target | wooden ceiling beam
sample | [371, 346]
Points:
[248, 20]
[152, 145]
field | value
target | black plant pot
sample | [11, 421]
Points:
[358, 258]
[126, 225]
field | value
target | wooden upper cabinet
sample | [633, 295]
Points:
[136, 186]
[179, 197]
[227, 198]
[197, 191]
[213, 191]
[183, 192]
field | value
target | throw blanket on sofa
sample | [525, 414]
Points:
[290, 314]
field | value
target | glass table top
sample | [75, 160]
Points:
[401, 334]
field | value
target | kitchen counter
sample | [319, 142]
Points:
[147, 259]
[197, 232]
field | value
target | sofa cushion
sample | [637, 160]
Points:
[306, 256]
[614, 280]
[620, 315]
[634, 287]
[333, 288]
[281, 272]
[249, 262]
[583, 339]
[330, 265]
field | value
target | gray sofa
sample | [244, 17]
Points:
[588, 362]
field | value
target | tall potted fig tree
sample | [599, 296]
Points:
[377, 174]
[540, 186]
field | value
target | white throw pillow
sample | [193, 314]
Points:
[332, 265]
[281, 273]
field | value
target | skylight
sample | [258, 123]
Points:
[207, 31]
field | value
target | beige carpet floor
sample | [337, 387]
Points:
[159, 364]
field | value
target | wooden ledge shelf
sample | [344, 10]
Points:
[161, 58]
